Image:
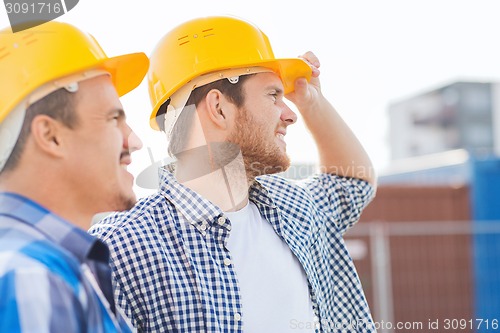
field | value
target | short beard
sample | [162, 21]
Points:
[260, 157]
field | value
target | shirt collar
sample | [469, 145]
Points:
[75, 240]
[259, 194]
[196, 209]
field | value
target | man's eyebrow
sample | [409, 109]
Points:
[118, 111]
[276, 88]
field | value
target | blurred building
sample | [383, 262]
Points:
[431, 237]
[458, 115]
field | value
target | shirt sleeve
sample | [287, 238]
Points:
[342, 199]
[35, 300]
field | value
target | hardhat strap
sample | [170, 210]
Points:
[10, 128]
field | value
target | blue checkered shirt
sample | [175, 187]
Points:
[50, 272]
[173, 272]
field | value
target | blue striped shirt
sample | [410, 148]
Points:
[50, 273]
[173, 272]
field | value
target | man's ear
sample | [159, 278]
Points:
[47, 135]
[214, 101]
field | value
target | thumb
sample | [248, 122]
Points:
[301, 87]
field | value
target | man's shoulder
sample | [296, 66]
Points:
[24, 254]
[286, 194]
[320, 189]
[35, 274]
[144, 211]
[278, 186]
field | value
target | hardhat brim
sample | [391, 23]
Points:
[288, 69]
[127, 71]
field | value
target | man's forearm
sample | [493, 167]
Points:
[340, 152]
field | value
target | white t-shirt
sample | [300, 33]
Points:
[273, 284]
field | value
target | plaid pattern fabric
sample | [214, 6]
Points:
[48, 271]
[172, 272]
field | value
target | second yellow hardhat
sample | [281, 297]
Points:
[210, 44]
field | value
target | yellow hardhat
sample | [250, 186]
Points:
[33, 57]
[209, 44]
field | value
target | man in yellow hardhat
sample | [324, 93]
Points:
[64, 149]
[225, 245]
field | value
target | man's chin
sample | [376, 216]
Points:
[125, 202]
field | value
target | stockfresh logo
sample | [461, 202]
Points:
[25, 14]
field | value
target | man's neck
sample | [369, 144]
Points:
[220, 179]
[57, 201]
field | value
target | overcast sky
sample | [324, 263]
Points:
[372, 52]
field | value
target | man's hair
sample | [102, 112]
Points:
[181, 131]
[58, 105]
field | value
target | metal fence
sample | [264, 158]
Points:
[441, 276]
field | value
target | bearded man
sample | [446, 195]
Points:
[226, 245]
